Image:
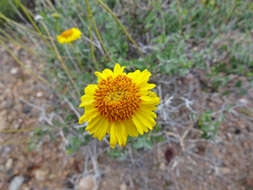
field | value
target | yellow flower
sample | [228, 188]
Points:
[69, 35]
[119, 105]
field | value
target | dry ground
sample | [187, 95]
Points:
[184, 161]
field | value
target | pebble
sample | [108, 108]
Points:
[40, 174]
[16, 183]
[123, 186]
[3, 123]
[225, 170]
[25, 187]
[14, 70]
[162, 166]
[39, 94]
[9, 164]
[243, 101]
[27, 109]
[86, 183]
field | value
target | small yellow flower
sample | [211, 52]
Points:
[69, 35]
[119, 105]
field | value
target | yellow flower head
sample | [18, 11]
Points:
[69, 35]
[119, 105]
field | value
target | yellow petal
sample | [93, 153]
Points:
[90, 89]
[150, 100]
[146, 119]
[148, 110]
[104, 75]
[60, 39]
[101, 129]
[122, 134]
[113, 137]
[148, 107]
[69, 35]
[118, 70]
[145, 87]
[82, 119]
[86, 100]
[117, 133]
[131, 129]
[99, 76]
[134, 75]
[138, 125]
[89, 114]
[140, 78]
[107, 73]
[92, 124]
[94, 127]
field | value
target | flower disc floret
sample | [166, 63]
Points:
[116, 99]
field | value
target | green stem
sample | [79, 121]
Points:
[17, 130]
[179, 16]
[99, 36]
[16, 41]
[230, 11]
[25, 28]
[64, 66]
[121, 25]
[27, 13]
[78, 56]
[90, 35]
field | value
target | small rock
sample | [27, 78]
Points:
[225, 170]
[14, 70]
[27, 109]
[25, 187]
[9, 164]
[40, 174]
[39, 94]
[16, 183]
[123, 186]
[162, 166]
[243, 101]
[3, 123]
[86, 183]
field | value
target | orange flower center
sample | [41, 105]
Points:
[67, 33]
[117, 98]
